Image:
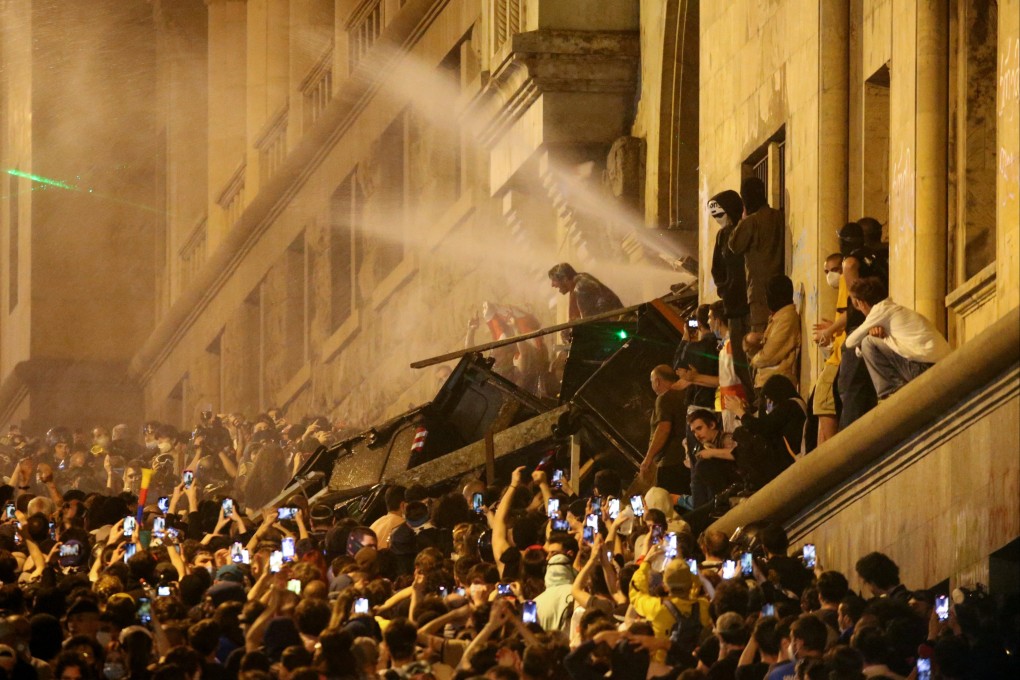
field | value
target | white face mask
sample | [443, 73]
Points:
[477, 591]
[165, 447]
[832, 278]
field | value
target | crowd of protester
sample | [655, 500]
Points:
[175, 556]
[204, 577]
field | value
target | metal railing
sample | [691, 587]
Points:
[363, 30]
[317, 88]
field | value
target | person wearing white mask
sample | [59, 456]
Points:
[829, 335]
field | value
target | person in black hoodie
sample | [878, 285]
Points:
[730, 277]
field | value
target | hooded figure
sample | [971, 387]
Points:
[761, 239]
[727, 266]
[657, 498]
[554, 604]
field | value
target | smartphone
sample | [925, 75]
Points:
[163, 591]
[129, 551]
[809, 555]
[768, 610]
[17, 534]
[557, 479]
[460, 591]
[163, 503]
[144, 610]
[729, 569]
[589, 535]
[245, 556]
[503, 590]
[442, 592]
[285, 513]
[53, 531]
[614, 508]
[236, 553]
[552, 508]
[287, 548]
[9, 511]
[637, 506]
[671, 549]
[228, 507]
[560, 525]
[294, 586]
[129, 526]
[188, 476]
[942, 607]
[592, 521]
[275, 561]
[478, 503]
[746, 565]
[596, 504]
[173, 533]
[361, 605]
[656, 536]
[70, 550]
[158, 526]
[923, 668]
[693, 566]
[692, 324]
[529, 612]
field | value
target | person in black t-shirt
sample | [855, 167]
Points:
[668, 425]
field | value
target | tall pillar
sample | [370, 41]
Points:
[833, 160]
[227, 87]
[931, 218]
[1007, 191]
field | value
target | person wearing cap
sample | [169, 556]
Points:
[679, 583]
[82, 617]
[731, 631]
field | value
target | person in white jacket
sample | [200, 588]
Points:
[896, 343]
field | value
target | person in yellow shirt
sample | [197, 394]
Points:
[683, 597]
[830, 334]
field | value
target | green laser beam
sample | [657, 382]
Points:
[70, 187]
[42, 180]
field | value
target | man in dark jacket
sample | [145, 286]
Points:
[760, 237]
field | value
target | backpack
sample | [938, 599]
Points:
[684, 636]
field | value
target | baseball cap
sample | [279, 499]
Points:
[677, 577]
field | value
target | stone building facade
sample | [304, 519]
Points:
[81, 186]
[349, 181]
[903, 111]
[326, 190]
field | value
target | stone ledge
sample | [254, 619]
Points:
[922, 401]
[973, 293]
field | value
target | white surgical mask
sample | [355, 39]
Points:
[113, 671]
[832, 278]
[165, 447]
[477, 591]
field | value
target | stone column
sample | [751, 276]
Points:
[833, 158]
[930, 213]
[227, 86]
[1007, 215]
